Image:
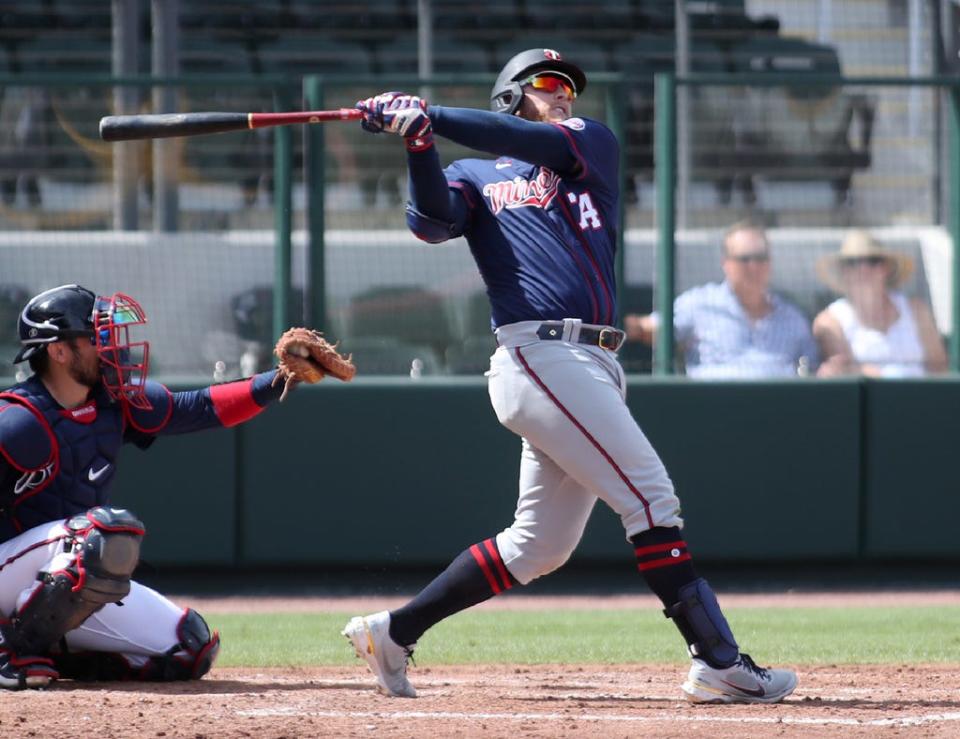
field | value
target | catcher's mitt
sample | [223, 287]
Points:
[305, 356]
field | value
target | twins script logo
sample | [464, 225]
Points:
[520, 193]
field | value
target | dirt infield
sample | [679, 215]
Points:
[509, 702]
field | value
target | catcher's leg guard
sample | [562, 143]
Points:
[93, 666]
[94, 570]
[703, 625]
[190, 658]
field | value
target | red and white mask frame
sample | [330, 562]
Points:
[123, 363]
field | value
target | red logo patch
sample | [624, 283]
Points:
[552, 55]
[82, 414]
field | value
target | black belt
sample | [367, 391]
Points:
[605, 337]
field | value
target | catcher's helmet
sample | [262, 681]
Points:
[507, 93]
[60, 313]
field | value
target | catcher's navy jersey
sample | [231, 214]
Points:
[56, 462]
[545, 242]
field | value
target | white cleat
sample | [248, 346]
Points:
[743, 682]
[370, 636]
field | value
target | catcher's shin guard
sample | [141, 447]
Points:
[190, 658]
[102, 551]
[699, 618]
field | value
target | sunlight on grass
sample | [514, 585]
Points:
[771, 635]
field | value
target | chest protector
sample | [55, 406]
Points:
[86, 443]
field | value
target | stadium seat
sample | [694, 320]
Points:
[386, 355]
[591, 57]
[413, 315]
[599, 18]
[471, 356]
[65, 51]
[306, 55]
[252, 312]
[474, 313]
[798, 132]
[358, 20]
[635, 356]
[401, 56]
[499, 17]
[200, 55]
[712, 108]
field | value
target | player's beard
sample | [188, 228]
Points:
[86, 373]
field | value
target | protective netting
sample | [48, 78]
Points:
[806, 161]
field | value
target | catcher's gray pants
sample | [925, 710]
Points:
[145, 625]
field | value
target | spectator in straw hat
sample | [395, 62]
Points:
[874, 329]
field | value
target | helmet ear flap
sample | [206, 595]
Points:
[508, 100]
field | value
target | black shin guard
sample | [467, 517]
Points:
[95, 571]
[698, 616]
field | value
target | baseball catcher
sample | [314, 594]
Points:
[68, 555]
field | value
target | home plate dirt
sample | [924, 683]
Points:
[512, 702]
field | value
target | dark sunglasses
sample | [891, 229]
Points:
[550, 82]
[869, 261]
[759, 258]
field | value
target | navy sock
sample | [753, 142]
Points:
[664, 562]
[473, 577]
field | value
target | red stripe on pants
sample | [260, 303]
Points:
[603, 452]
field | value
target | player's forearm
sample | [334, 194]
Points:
[223, 405]
[429, 192]
[237, 402]
[504, 135]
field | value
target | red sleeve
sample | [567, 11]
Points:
[233, 402]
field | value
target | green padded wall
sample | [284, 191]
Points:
[183, 488]
[414, 472]
[403, 473]
[912, 506]
[763, 471]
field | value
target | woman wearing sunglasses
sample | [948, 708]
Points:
[874, 329]
[541, 223]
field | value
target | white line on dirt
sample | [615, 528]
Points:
[446, 715]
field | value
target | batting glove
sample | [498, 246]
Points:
[399, 113]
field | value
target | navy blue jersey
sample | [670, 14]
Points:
[545, 242]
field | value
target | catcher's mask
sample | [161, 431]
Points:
[507, 93]
[123, 363]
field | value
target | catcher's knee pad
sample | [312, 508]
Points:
[699, 618]
[190, 658]
[100, 554]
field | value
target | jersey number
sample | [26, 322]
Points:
[589, 216]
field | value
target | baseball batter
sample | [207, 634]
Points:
[541, 222]
[67, 556]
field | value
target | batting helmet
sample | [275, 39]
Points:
[60, 313]
[507, 93]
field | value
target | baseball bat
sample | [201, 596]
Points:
[166, 125]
